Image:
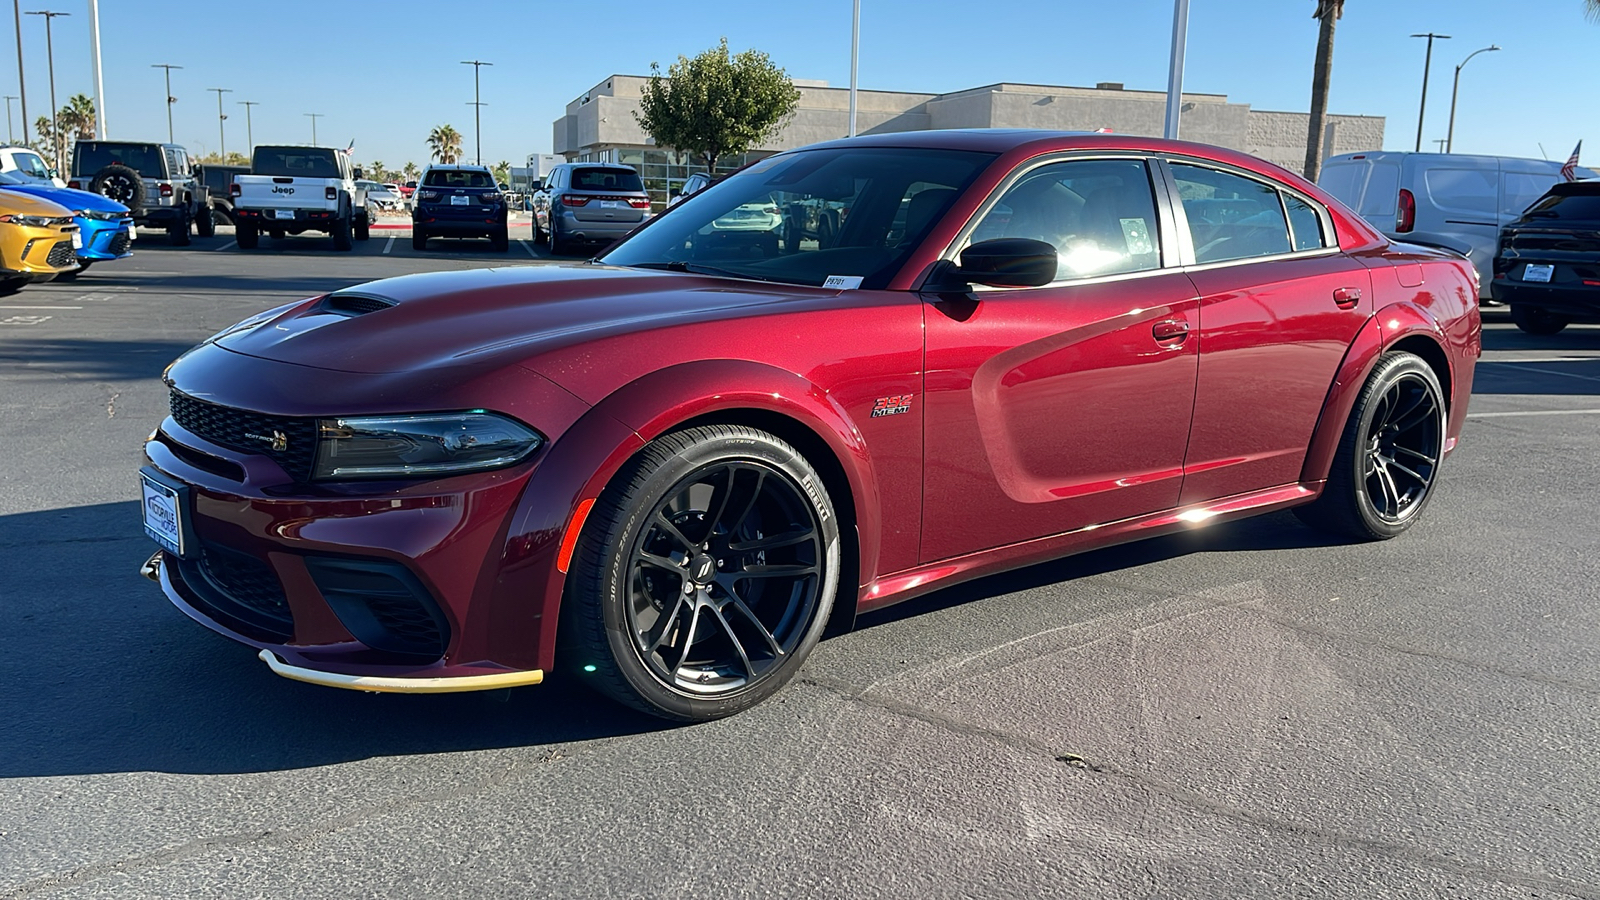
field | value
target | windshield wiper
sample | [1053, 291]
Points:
[699, 269]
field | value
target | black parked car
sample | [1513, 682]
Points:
[1548, 265]
[458, 201]
[219, 179]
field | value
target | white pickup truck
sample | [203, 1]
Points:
[291, 190]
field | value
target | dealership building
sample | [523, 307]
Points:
[599, 126]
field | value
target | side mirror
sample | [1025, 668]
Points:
[1006, 262]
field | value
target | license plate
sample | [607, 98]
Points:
[610, 204]
[77, 240]
[1538, 273]
[163, 514]
[459, 200]
[283, 214]
[133, 233]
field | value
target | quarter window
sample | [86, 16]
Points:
[1305, 224]
[1099, 214]
[1230, 217]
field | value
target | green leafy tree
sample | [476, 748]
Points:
[1328, 13]
[717, 104]
[502, 172]
[444, 142]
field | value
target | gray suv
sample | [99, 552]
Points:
[156, 182]
[588, 203]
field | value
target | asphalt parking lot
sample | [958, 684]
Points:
[1246, 710]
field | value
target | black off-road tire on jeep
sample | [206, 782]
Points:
[341, 234]
[120, 183]
[205, 226]
[718, 538]
[363, 227]
[419, 238]
[248, 236]
[178, 231]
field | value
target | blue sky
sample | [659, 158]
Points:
[399, 74]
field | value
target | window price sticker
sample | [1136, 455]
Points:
[843, 282]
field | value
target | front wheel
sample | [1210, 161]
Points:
[1388, 458]
[419, 239]
[705, 574]
[1533, 320]
[500, 240]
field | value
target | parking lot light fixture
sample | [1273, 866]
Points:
[249, 134]
[314, 118]
[11, 135]
[170, 99]
[477, 104]
[1450, 135]
[50, 57]
[1427, 63]
[222, 135]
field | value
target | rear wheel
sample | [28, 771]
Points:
[1534, 320]
[501, 240]
[178, 231]
[363, 227]
[220, 217]
[1388, 458]
[540, 236]
[247, 236]
[705, 574]
[205, 224]
[341, 234]
[419, 239]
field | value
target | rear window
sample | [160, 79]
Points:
[295, 162]
[1577, 205]
[458, 179]
[142, 158]
[606, 180]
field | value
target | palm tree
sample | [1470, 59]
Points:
[1328, 13]
[411, 171]
[445, 143]
[378, 171]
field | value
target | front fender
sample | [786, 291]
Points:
[584, 459]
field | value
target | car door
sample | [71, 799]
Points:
[1055, 408]
[1279, 307]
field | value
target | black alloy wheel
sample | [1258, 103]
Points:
[1533, 320]
[1388, 458]
[705, 575]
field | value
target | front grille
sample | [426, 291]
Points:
[241, 592]
[61, 255]
[288, 440]
[119, 244]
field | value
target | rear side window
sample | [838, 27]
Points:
[1465, 190]
[1519, 190]
[1577, 206]
[452, 178]
[142, 158]
[1230, 217]
[1099, 214]
[606, 180]
[294, 162]
[1305, 226]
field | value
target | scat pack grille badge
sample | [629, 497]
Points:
[892, 406]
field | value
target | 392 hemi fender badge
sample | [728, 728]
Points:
[892, 406]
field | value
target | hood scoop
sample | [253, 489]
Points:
[351, 303]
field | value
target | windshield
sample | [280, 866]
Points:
[1568, 204]
[295, 162]
[142, 158]
[458, 178]
[607, 180]
[803, 217]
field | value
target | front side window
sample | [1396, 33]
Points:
[1230, 217]
[1099, 214]
[32, 164]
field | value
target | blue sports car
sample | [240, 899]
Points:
[103, 223]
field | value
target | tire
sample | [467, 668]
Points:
[83, 266]
[248, 236]
[206, 224]
[540, 236]
[364, 227]
[559, 246]
[178, 232]
[220, 217]
[1382, 479]
[742, 608]
[419, 239]
[12, 284]
[1533, 320]
[341, 234]
[824, 234]
[122, 184]
[501, 240]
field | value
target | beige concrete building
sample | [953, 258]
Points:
[600, 125]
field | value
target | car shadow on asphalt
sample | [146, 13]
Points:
[90, 359]
[102, 675]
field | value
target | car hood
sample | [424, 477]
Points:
[491, 317]
[24, 203]
[70, 198]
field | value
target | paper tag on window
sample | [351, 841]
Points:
[1137, 236]
[843, 282]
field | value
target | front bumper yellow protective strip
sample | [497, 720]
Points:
[378, 684]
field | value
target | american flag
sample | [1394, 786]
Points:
[1570, 170]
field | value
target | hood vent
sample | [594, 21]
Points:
[352, 304]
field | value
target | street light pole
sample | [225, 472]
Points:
[22, 83]
[170, 99]
[1180, 40]
[249, 135]
[314, 118]
[99, 84]
[222, 136]
[477, 107]
[50, 57]
[855, 61]
[11, 134]
[1450, 136]
[1427, 63]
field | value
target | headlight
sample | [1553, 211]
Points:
[101, 215]
[433, 444]
[30, 221]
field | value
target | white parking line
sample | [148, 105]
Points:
[1535, 412]
[228, 246]
[528, 247]
[389, 246]
[3, 306]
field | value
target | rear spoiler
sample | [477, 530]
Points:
[1438, 241]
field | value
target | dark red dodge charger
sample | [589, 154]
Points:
[680, 461]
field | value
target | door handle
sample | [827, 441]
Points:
[1170, 331]
[1346, 298]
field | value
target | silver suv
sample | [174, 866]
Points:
[588, 203]
[156, 182]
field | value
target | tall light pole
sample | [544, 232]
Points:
[99, 84]
[11, 134]
[22, 82]
[1427, 63]
[222, 136]
[855, 61]
[1450, 136]
[314, 118]
[249, 135]
[477, 107]
[1180, 40]
[170, 99]
[50, 56]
